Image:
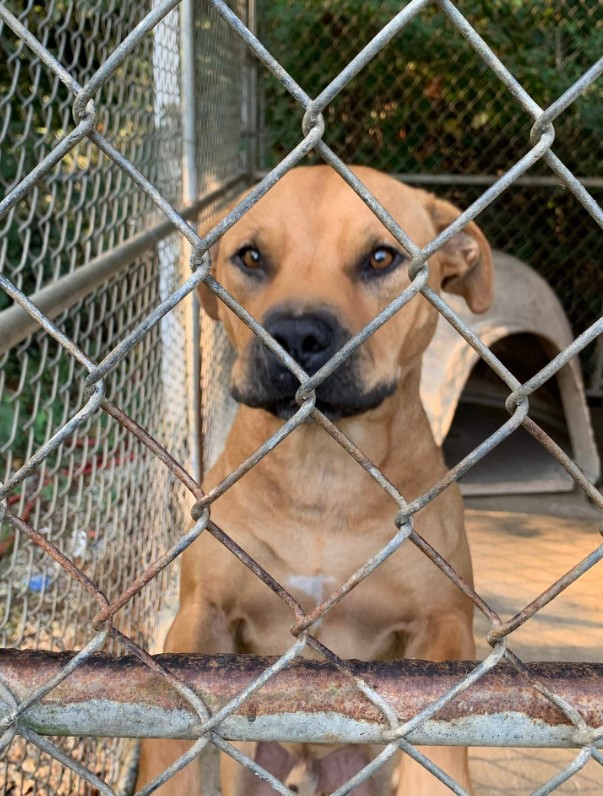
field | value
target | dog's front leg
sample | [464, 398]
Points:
[447, 636]
[198, 627]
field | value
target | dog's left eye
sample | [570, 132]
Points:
[382, 258]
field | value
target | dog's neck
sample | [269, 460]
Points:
[395, 436]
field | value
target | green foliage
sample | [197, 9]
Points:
[428, 102]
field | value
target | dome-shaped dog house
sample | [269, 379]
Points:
[526, 326]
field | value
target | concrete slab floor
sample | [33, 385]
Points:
[515, 557]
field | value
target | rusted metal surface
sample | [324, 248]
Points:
[122, 696]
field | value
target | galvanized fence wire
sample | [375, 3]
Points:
[395, 732]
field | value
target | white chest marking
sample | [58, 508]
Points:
[314, 586]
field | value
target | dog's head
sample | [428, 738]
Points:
[314, 265]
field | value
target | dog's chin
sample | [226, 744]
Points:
[284, 407]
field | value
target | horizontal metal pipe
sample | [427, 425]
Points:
[310, 701]
[487, 179]
[16, 324]
[481, 179]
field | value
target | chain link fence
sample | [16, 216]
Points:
[113, 117]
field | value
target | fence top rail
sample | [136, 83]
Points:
[479, 179]
[309, 701]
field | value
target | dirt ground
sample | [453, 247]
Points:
[517, 552]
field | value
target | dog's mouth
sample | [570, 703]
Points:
[334, 406]
[261, 380]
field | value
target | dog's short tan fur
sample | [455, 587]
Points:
[307, 512]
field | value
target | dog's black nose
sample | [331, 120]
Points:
[311, 339]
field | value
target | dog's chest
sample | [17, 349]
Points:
[311, 587]
[311, 573]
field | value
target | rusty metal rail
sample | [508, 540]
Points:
[309, 702]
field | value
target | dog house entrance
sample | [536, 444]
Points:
[519, 464]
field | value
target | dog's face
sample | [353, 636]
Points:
[314, 265]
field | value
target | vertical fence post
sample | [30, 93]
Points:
[190, 190]
[250, 100]
[261, 99]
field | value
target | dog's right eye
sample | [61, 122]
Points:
[249, 258]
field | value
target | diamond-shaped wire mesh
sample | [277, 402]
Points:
[81, 484]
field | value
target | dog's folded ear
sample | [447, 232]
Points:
[467, 268]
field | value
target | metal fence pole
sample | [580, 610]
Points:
[190, 189]
[250, 99]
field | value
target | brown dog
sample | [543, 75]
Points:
[314, 265]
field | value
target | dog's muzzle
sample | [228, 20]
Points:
[311, 338]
